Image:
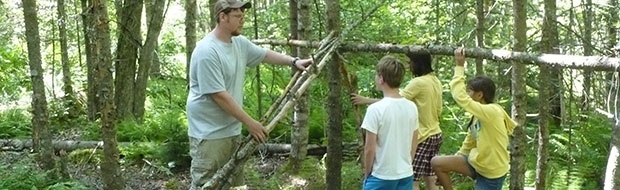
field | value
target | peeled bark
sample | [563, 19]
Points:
[146, 56]
[519, 104]
[110, 167]
[612, 172]
[40, 132]
[599, 63]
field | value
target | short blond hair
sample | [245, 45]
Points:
[392, 70]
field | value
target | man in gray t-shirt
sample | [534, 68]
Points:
[215, 100]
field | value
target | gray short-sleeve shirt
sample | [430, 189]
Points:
[218, 66]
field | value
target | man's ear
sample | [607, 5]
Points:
[220, 16]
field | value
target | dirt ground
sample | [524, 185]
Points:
[143, 175]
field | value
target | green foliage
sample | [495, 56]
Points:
[24, 174]
[399, 22]
[311, 176]
[15, 123]
[69, 185]
[14, 81]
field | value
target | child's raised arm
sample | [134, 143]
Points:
[458, 88]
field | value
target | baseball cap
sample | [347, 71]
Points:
[222, 5]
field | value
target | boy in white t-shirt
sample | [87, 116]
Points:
[391, 136]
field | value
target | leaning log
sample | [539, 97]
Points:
[326, 48]
[221, 177]
[600, 63]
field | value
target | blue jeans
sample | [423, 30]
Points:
[483, 183]
[374, 183]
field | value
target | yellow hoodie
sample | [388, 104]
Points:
[487, 140]
[425, 92]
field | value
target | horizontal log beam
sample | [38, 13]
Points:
[599, 63]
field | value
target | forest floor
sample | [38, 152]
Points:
[138, 175]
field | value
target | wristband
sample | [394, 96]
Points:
[294, 61]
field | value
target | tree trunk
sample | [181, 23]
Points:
[519, 104]
[600, 63]
[587, 50]
[612, 30]
[571, 48]
[549, 42]
[155, 70]
[92, 101]
[191, 14]
[296, 148]
[259, 94]
[212, 19]
[299, 137]
[480, 34]
[40, 132]
[146, 55]
[293, 17]
[77, 32]
[156, 67]
[334, 105]
[66, 64]
[110, 168]
[612, 172]
[129, 40]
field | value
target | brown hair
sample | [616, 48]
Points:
[485, 85]
[392, 70]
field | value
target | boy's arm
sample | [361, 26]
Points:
[369, 152]
[414, 144]
[468, 144]
[458, 89]
[359, 99]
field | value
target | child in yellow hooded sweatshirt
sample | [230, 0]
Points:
[483, 155]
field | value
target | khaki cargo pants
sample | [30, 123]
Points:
[210, 155]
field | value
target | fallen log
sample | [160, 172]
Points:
[70, 145]
[600, 63]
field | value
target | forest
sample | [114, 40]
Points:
[94, 92]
